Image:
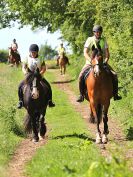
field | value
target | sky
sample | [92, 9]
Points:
[25, 37]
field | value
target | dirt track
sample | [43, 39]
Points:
[27, 149]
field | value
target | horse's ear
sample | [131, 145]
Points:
[93, 48]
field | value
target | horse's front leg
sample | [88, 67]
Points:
[64, 69]
[34, 129]
[105, 121]
[98, 134]
[61, 70]
[42, 126]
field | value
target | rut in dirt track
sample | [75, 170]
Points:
[25, 151]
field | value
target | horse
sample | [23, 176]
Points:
[14, 57]
[63, 61]
[35, 98]
[100, 91]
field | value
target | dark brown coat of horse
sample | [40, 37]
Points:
[63, 61]
[35, 102]
[100, 91]
[14, 57]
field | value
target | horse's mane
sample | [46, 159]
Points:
[31, 75]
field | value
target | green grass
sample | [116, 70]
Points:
[10, 123]
[70, 150]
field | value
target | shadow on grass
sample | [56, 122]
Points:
[75, 135]
[129, 135]
[63, 82]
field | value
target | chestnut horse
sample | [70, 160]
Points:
[63, 61]
[35, 98]
[100, 91]
[14, 57]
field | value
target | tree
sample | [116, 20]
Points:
[47, 52]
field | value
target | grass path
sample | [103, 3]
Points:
[117, 139]
[26, 151]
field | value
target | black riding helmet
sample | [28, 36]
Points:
[97, 28]
[34, 48]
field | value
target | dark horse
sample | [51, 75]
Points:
[100, 90]
[14, 57]
[63, 61]
[35, 102]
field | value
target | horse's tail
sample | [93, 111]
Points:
[99, 112]
[27, 124]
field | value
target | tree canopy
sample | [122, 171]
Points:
[75, 19]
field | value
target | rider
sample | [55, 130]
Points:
[30, 63]
[61, 49]
[97, 39]
[14, 45]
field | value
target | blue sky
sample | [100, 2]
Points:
[25, 37]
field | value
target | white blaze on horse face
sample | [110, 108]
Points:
[96, 68]
[35, 93]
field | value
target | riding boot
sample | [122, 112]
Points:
[20, 95]
[115, 88]
[50, 102]
[81, 88]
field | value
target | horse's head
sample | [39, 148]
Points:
[97, 60]
[33, 79]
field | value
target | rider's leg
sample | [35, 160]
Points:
[81, 88]
[115, 84]
[50, 103]
[20, 95]
[82, 83]
[58, 61]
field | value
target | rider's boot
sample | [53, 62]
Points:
[115, 89]
[81, 88]
[80, 98]
[20, 95]
[51, 104]
[20, 104]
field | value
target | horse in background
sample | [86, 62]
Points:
[63, 61]
[14, 57]
[100, 91]
[35, 98]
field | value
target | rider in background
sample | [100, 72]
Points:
[95, 40]
[30, 63]
[61, 49]
[14, 45]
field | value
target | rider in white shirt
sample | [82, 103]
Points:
[31, 63]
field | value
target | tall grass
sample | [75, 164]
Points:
[10, 124]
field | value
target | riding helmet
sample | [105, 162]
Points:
[97, 28]
[34, 48]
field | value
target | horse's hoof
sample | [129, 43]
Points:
[41, 137]
[98, 139]
[104, 139]
[35, 140]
